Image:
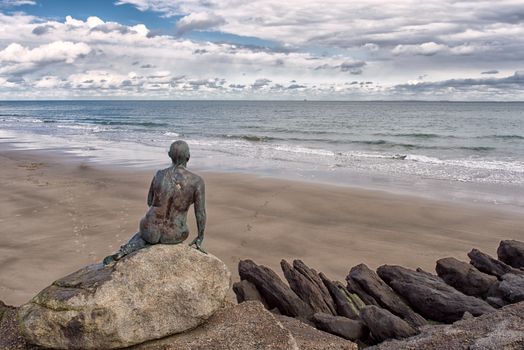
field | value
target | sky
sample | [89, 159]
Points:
[237, 49]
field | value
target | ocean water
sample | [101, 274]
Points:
[472, 151]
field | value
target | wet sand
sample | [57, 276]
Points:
[58, 214]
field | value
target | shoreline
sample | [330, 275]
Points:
[60, 213]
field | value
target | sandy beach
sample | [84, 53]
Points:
[58, 214]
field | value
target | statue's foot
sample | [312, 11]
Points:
[108, 260]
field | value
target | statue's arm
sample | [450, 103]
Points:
[151, 194]
[200, 208]
[200, 214]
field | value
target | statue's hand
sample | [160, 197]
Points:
[197, 242]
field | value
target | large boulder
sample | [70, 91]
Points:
[512, 253]
[154, 292]
[464, 277]
[485, 263]
[431, 296]
[273, 290]
[384, 325]
[371, 283]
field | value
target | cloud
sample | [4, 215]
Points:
[260, 83]
[510, 84]
[54, 52]
[316, 51]
[198, 21]
[14, 3]
[494, 71]
[353, 67]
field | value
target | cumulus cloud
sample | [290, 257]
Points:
[54, 52]
[198, 21]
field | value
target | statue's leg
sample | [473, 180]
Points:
[134, 244]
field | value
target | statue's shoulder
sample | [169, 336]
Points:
[197, 179]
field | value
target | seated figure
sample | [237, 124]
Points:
[173, 190]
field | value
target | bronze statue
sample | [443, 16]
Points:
[171, 193]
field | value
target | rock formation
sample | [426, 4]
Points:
[431, 296]
[371, 283]
[274, 291]
[155, 292]
[384, 325]
[341, 326]
[485, 263]
[512, 253]
[503, 329]
[464, 277]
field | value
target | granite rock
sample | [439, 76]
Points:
[154, 292]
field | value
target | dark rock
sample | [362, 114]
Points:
[354, 287]
[273, 290]
[371, 283]
[309, 338]
[496, 302]
[512, 287]
[247, 291]
[464, 277]
[512, 253]
[499, 330]
[495, 297]
[341, 326]
[313, 276]
[485, 263]
[307, 290]
[384, 325]
[430, 295]
[344, 304]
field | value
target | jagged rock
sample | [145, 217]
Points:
[341, 326]
[371, 283]
[247, 291]
[353, 287]
[512, 287]
[309, 338]
[152, 293]
[244, 326]
[307, 290]
[344, 304]
[384, 325]
[313, 276]
[273, 290]
[485, 263]
[512, 253]
[464, 277]
[500, 330]
[431, 296]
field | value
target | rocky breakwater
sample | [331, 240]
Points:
[152, 293]
[395, 302]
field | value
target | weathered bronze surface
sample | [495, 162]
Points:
[173, 190]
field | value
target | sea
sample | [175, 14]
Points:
[459, 151]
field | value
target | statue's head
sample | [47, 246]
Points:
[179, 153]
